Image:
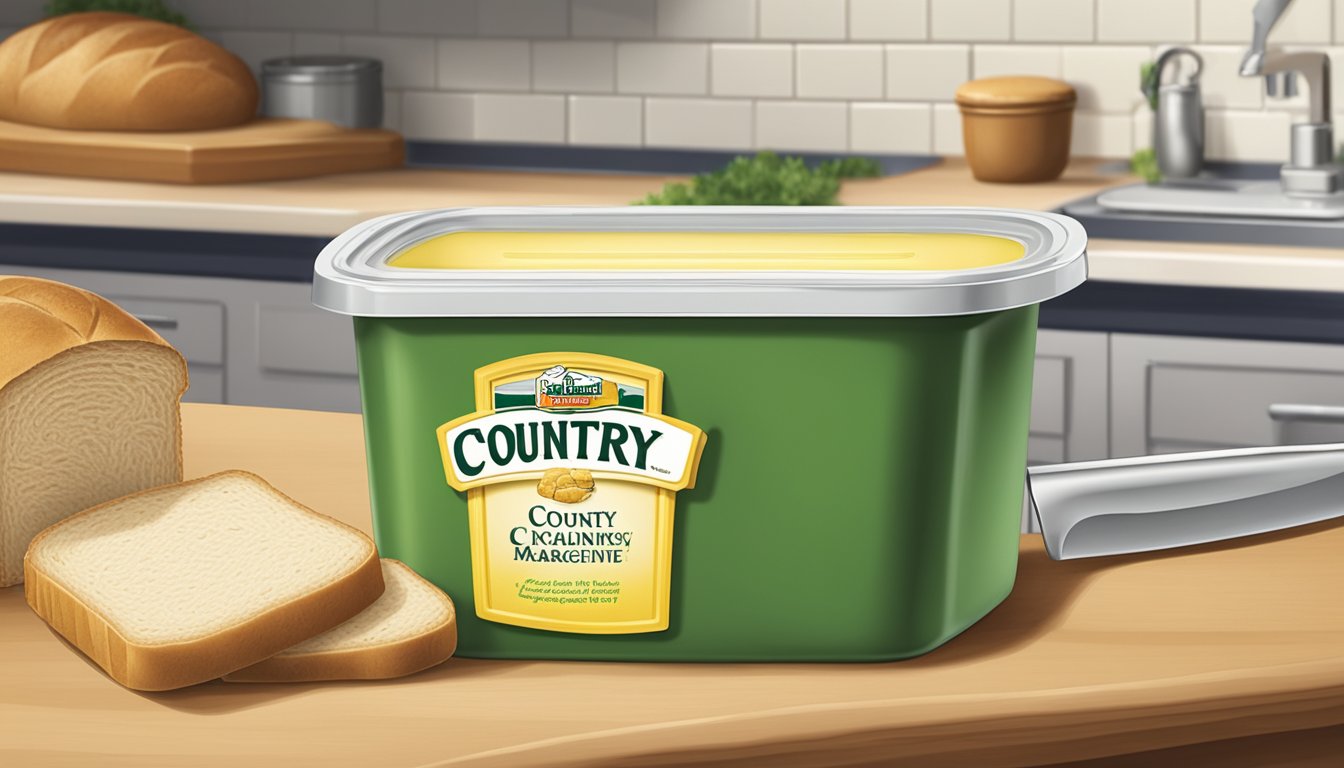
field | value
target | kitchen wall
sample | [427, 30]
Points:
[829, 75]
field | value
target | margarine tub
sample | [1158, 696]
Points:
[701, 434]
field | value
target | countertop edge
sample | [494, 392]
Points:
[1117, 720]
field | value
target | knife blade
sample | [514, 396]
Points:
[1145, 503]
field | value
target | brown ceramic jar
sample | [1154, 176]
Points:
[1016, 129]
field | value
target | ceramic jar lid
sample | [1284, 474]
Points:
[1015, 93]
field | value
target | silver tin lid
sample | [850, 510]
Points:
[321, 69]
[352, 275]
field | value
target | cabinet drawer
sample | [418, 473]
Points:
[194, 328]
[1068, 397]
[1175, 393]
[305, 340]
[1049, 395]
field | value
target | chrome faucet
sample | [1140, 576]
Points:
[1311, 169]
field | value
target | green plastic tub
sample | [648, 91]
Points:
[701, 434]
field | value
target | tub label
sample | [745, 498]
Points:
[571, 472]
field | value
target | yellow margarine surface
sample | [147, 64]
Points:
[709, 251]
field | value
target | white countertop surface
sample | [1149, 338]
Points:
[325, 206]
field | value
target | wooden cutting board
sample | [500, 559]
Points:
[262, 150]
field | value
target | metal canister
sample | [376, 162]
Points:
[345, 90]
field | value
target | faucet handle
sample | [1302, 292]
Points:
[1289, 84]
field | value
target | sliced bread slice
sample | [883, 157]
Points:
[187, 582]
[88, 409]
[412, 627]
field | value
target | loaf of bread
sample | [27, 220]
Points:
[184, 583]
[88, 409]
[412, 627]
[116, 72]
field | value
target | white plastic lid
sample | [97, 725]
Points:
[354, 276]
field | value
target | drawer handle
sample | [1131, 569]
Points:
[1295, 412]
[158, 322]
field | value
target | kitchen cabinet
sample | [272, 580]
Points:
[247, 342]
[1176, 393]
[1069, 397]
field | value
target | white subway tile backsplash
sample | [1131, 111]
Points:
[947, 131]
[662, 68]
[1237, 135]
[408, 62]
[839, 71]
[572, 66]
[201, 14]
[392, 110]
[1053, 21]
[612, 19]
[1145, 21]
[450, 18]
[802, 19]
[926, 72]
[329, 15]
[255, 47]
[438, 116]
[16, 14]
[1002, 60]
[892, 20]
[523, 18]
[316, 43]
[520, 117]
[973, 20]
[891, 128]
[802, 126]
[493, 65]
[1143, 128]
[697, 123]
[1221, 85]
[1097, 135]
[1229, 21]
[1106, 77]
[751, 69]
[707, 19]
[870, 75]
[606, 120]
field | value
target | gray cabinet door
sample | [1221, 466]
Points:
[1069, 399]
[290, 354]
[247, 342]
[1174, 393]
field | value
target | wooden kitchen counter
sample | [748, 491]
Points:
[1233, 652]
[328, 205]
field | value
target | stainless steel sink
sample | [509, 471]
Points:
[1222, 197]
[1238, 217]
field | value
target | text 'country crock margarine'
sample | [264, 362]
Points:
[587, 546]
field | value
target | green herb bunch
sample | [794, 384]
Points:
[150, 9]
[766, 179]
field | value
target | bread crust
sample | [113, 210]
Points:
[161, 667]
[43, 318]
[103, 71]
[376, 662]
